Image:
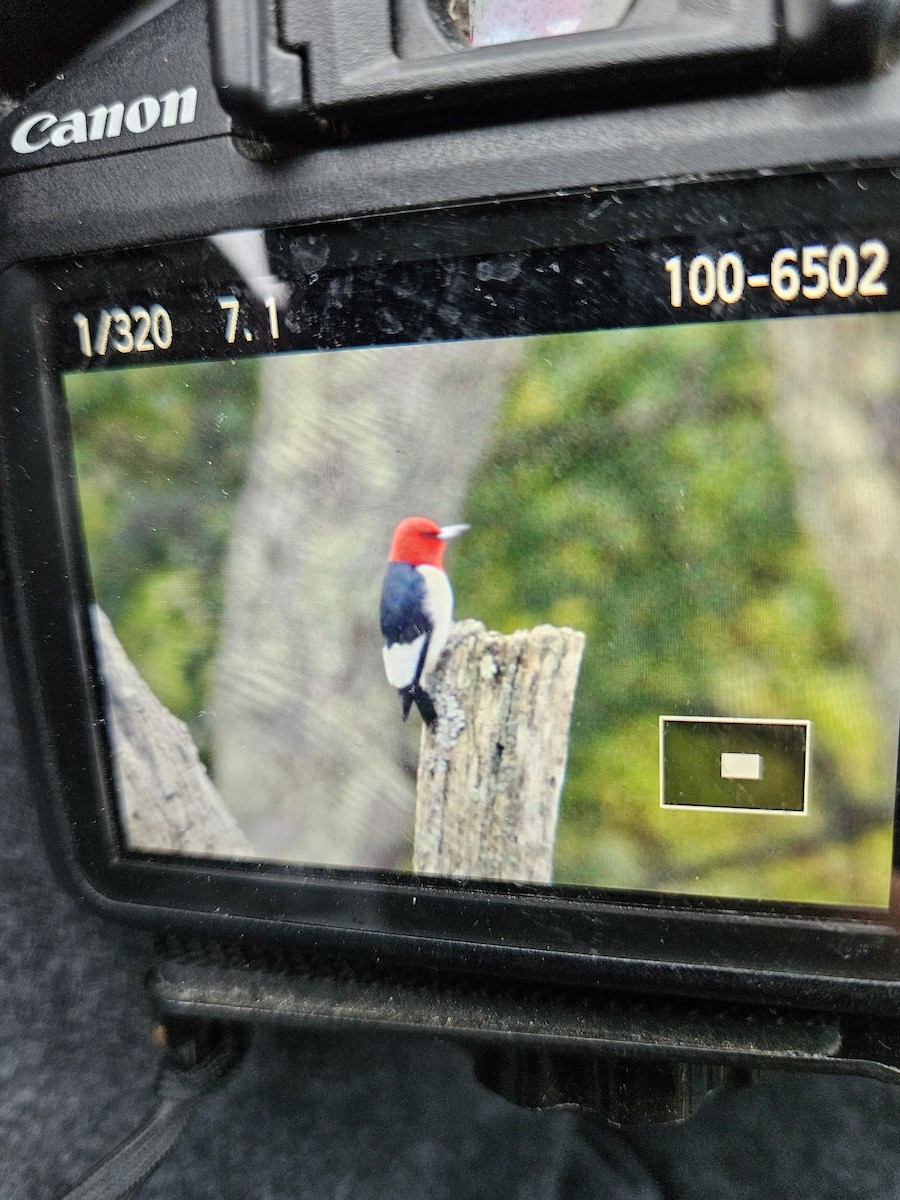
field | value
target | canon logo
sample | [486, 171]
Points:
[104, 121]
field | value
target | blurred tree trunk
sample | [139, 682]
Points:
[837, 392]
[168, 801]
[310, 752]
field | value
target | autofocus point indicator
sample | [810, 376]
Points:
[741, 766]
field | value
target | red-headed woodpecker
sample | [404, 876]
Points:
[416, 609]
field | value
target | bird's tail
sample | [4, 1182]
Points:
[416, 694]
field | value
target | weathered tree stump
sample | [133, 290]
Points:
[169, 801]
[491, 773]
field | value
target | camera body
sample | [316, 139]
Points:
[392, 212]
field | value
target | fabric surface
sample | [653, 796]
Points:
[353, 1114]
[76, 1060]
[793, 1136]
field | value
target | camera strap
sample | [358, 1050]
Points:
[179, 1089]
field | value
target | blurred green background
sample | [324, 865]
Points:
[161, 454]
[637, 490]
[634, 486]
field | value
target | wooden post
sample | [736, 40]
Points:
[169, 801]
[491, 773]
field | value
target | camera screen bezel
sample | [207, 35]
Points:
[607, 938]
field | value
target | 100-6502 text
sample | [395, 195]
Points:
[807, 273]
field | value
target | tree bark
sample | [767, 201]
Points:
[169, 802]
[310, 751]
[491, 772]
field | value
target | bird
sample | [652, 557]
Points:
[416, 609]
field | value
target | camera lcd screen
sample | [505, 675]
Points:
[713, 507]
[703, 513]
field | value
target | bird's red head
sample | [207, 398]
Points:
[421, 542]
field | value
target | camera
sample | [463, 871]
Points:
[451, 493]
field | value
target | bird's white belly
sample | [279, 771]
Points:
[439, 607]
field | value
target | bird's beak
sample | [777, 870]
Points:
[449, 532]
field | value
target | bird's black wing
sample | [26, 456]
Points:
[404, 621]
[403, 616]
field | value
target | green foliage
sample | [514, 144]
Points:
[161, 454]
[636, 489]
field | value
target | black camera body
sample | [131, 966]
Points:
[337, 181]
